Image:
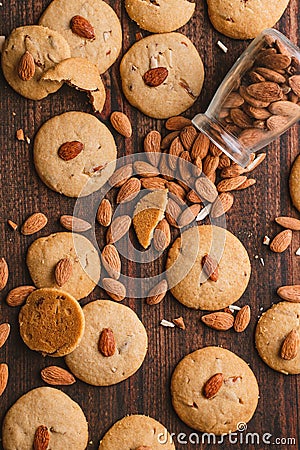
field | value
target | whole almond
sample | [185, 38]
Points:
[162, 236]
[220, 321]
[3, 377]
[290, 293]
[230, 184]
[69, 150]
[222, 204]
[210, 267]
[213, 385]
[257, 113]
[210, 164]
[233, 100]
[129, 190]
[253, 101]
[155, 77]
[214, 150]
[198, 166]
[176, 189]
[118, 228]
[185, 166]
[63, 271]
[188, 136]
[166, 141]
[224, 161]
[121, 123]
[153, 183]
[284, 108]
[240, 118]
[290, 346]
[114, 288]
[107, 342]
[177, 123]
[157, 293]
[165, 170]
[270, 75]
[57, 376]
[34, 223]
[206, 189]
[4, 333]
[72, 223]
[3, 273]
[294, 82]
[200, 146]
[193, 197]
[41, 438]
[111, 261]
[275, 61]
[232, 171]
[175, 150]
[179, 322]
[248, 183]
[172, 212]
[251, 136]
[277, 123]
[26, 67]
[18, 295]
[82, 27]
[145, 169]
[189, 214]
[281, 241]
[121, 175]
[288, 222]
[152, 144]
[242, 319]
[104, 213]
[265, 91]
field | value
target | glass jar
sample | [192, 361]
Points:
[258, 100]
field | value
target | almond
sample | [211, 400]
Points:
[153, 183]
[121, 175]
[275, 61]
[251, 136]
[155, 77]
[290, 346]
[176, 189]
[210, 267]
[213, 385]
[290, 293]
[240, 118]
[256, 102]
[248, 183]
[168, 139]
[82, 27]
[277, 123]
[145, 169]
[189, 214]
[111, 261]
[257, 113]
[121, 123]
[214, 150]
[224, 161]
[266, 91]
[242, 319]
[57, 376]
[210, 164]
[63, 271]
[104, 213]
[157, 293]
[284, 108]
[41, 438]
[3, 377]
[193, 197]
[255, 163]
[118, 228]
[206, 189]
[220, 321]
[198, 165]
[222, 204]
[26, 67]
[20, 135]
[162, 236]
[3, 273]
[230, 184]
[4, 333]
[233, 100]
[294, 82]
[107, 342]
[69, 150]
[152, 144]
[177, 123]
[281, 241]
[115, 289]
[172, 212]
[18, 295]
[270, 75]
[175, 150]
[200, 146]
[188, 136]
[166, 172]
[233, 171]
[185, 166]
[288, 222]
[72, 223]
[129, 190]
[34, 223]
[179, 322]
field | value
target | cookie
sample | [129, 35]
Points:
[49, 407]
[234, 402]
[137, 432]
[104, 49]
[160, 17]
[189, 282]
[148, 212]
[81, 175]
[88, 363]
[173, 56]
[272, 329]
[295, 183]
[81, 74]
[244, 19]
[47, 48]
[51, 322]
[44, 254]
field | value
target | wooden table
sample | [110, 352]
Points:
[22, 193]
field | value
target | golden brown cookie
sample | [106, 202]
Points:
[295, 183]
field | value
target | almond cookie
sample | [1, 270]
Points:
[213, 390]
[89, 154]
[160, 16]
[51, 322]
[113, 346]
[137, 432]
[273, 328]
[244, 19]
[29, 52]
[295, 183]
[191, 284]
[44, 254]
[162, 74]
[64, 423]
[102, 45]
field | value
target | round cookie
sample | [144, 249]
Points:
[47, 48]
[295, 183]
[51, 322]
[64, 419]
[90, 169]
[272, 329]
[105, 48]
[174, 52]
[136, 432]
[44, 253]
[235, 402]
[160, 17]
[244, 19]
[88, 364]
[189, 283]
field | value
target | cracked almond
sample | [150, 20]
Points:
[213, 385]
[107, 342]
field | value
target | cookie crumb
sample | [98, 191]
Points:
[179, 322]
[222, 46]
[12, 224]
[266, 240]
[166, 323]
[14, 114]
[20, 135]
[256, 257]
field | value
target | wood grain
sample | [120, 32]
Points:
[22, 193]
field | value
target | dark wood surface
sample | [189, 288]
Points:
[252, 216]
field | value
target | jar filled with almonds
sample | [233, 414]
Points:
[258, 100]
